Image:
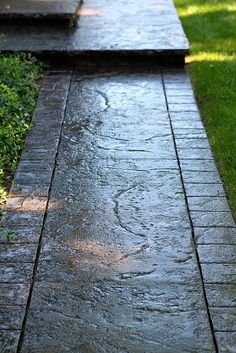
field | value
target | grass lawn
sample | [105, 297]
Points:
[19, 76]
[210, 26]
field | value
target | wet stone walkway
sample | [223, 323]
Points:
[124, 238]
[105, 29]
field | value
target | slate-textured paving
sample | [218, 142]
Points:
[105, 28]
[123, 237]
[34, 8]
[118, 199]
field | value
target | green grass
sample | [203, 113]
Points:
[19, 76]
[210, 26]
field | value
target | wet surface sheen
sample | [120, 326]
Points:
[104, 27]
[117, 271]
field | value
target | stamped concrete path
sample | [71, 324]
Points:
[122, 206]
[123, 238]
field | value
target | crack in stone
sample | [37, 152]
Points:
[103, 148]
[127, 275]
[86, 128]
[104, 96]
[182, 261]
[152, 137]
[117, 213]
[163, 310]
[137, 150]
[114, 138]
[70, 139]
[122, 149]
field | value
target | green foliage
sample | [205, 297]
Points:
[210, 26]
[9, 235]
[19, 76]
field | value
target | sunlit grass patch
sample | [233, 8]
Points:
[188, 8]
[210, 26]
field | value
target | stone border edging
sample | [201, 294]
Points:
[26, 210]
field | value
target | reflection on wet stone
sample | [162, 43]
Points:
[117, 270]
[117, 316]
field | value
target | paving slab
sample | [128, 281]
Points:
[9, 340]
[215, 235]
[134, 242]
[219, 273]
[37, 10]
[226, 342]
[14, 293]
[11, 319]
[223, 295]
[147, 28]
[107, 319]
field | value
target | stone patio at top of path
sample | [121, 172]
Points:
[38, 9]
[104, 27]
[117, 270]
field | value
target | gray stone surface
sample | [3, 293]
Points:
[183, 107]
[212, 219]
[188, 143]
[117, 316]
[24, 234]
[201, 177]
[208, 204]
[219, 273]
[117, 270]
[223, 295]
[16, 272]
[148, 25]
[43, 39]
[195, 153]
[26, 209]
[117, 233]
[143, 27]
[190, 133]
[217, 253]
[16, 294]
[198, 165]
[9, 340]
[205, 189]
[19, 219]
[30, 204]
[11, 317]
[38, 9]
[224, 318]
[226, 342]
[17, 253]
[214, 235]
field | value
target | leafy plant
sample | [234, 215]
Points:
[10, 235]
[19, 87]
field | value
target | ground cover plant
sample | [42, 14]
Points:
[19, 86]
[210, 26]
